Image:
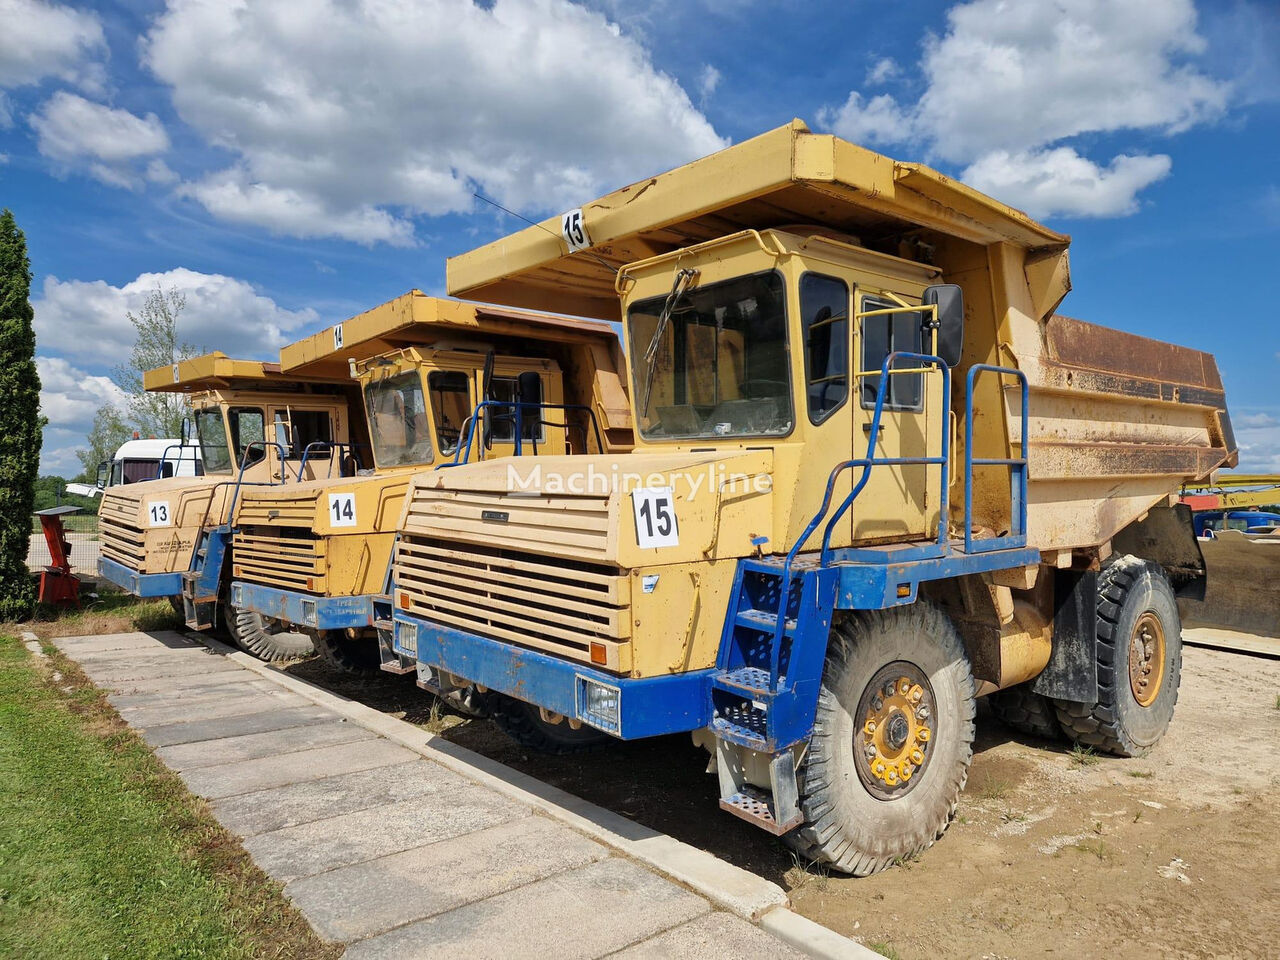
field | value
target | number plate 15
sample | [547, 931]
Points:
[342, 509]
[655, 517]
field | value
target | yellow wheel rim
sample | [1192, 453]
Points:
[1146, 659]
[896, 717]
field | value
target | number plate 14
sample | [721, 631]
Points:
[342, 509]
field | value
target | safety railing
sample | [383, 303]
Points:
[328, 447]
[164, 457]
[462, 453]
[1017, 468]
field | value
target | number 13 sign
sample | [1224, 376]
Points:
[655, 517]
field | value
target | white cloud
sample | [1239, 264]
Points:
[6, 112]
[357, 116]
[70, 398]
[708, 82]
[882, 71]
[1009, 80]
[87, 319]
[106, 142]
[1046, 183]
[41, 40]
[1258, 437]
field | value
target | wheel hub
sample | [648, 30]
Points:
[896, 717]
[1146, 658]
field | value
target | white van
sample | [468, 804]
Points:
[140, 460]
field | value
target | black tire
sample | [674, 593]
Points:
[846, 825]
[523, 723]
[1026, 711]
[358, 655]
[265, 638]
[1131, 591]
[179, 608]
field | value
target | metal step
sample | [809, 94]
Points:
[387, 625]
[745, 725]
[749, 682]
[756, 806]
[763, 621]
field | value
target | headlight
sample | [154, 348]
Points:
[598, 704]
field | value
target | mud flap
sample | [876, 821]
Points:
[1072, 670]
[1167, 536]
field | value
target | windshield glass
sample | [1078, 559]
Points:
[720, 368]
[398, 420]
[212, 433]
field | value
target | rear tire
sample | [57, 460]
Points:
[859, 821]
[1026, 711]
[357, 655]
[1139, 659]
[266, 638]
[523, 723]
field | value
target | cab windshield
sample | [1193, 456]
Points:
[212, 433]
[719, 365]
[398, 420]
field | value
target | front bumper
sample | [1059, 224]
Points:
[140, 584]
[628, 708]
[303, 609]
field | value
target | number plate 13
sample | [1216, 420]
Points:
[655, 517]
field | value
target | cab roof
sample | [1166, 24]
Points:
[415, 319]
[211, 371]
[788, 176]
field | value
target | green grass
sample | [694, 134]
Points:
[103, 853]
[1083, 756]
[110, 613]
[883, 948]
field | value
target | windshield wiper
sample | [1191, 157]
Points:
[679, 287]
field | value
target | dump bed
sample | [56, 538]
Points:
[1117, 421]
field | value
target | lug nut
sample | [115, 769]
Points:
[922, 734]
[905, 688]
[870, 727]
[870, 751]
[877, 704]
[889, 688]
[917, 757]
[922, 712]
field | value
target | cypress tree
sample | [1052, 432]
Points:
[20, 422]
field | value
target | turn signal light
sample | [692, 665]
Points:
[904, 590]
[599, 655]
[404, 601]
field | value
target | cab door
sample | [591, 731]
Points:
[900, 501]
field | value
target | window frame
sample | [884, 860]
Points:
[849, 293]
[233, 436]
[870, 301]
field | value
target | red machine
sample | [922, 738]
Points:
[59, 587]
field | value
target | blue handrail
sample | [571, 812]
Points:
[867, 462]
[1017, 465]
[462, 453]
[330, 445]
[164, 457]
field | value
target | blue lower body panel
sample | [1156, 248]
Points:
[304, 609]
[140, 584]
[625, 707]
[877, 586]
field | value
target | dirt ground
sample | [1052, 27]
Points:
[1052, 853]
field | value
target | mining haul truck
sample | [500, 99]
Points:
[255, 426]
[444, 382]
[876, 476]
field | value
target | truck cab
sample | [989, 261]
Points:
[443, 383]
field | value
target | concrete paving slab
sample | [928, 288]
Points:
[179, 711]
[124, 641]
[580, 914]
[270, 743]
[359, 901]
[206, 686]
[297, 803]
[311, 848]
[194, 731]
[719, 935]
[175, 653]
[151, 666]
[247, 776]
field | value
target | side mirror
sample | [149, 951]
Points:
[529, 387]
[104, 468]
[950, 302]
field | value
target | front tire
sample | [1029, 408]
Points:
[1139, 654]
[351, 654]
[1026, 711]
[881, 779]
[523, 723]
[266, 638]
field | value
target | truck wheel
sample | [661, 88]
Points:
[350, 654]
[891, 743]
[265, 638]
[1026, 711]
[523, 723]
[1139, 662]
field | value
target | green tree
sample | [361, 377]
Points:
[157, 345]
[20, 422]
[109, 431]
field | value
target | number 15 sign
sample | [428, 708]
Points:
[655, 517]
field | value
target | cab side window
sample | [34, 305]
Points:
[450, 404]
[299, 429]
[247, 426]
[824, 310]
[885, 334]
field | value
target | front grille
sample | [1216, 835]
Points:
[289, 557]
[120, 537]
[258, 508]
[557, 605]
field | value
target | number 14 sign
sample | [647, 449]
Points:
[655, 517]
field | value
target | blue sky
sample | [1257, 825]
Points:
[287, 164]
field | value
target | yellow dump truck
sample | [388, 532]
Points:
[255, 426]
[876, 476]
[444, 382]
